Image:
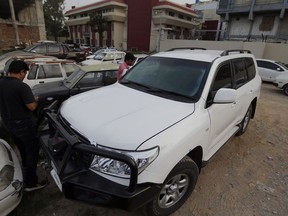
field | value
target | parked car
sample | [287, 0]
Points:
[143, 140]
[84, 46]
[11, 179]
[100, 51]
[45, 69]
[57, 50]
[84, 79]
[104, 57]
[281, 82]
[269, 69]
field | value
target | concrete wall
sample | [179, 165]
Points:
[30, 26]
[274, 51]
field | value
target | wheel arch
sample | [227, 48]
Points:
[254, 104]
[196, 155]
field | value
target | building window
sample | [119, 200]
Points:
[267, 23]
[171, 14]
[180, 16]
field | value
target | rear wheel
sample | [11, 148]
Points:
[175, 190]
[285, 89]
[245, 121]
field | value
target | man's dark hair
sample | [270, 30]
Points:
[129, 56]
[17, 65]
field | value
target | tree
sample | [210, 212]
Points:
[54, 18]
[98, 24]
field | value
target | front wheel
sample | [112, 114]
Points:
[285, 89]
[245, 121]
[175, 190]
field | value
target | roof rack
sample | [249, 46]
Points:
[227, 52]
[189, 48]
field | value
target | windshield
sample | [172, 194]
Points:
[99, 56]
[29, 48]
[283, 65]
[73, 78]
[168, 77]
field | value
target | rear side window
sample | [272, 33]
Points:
[49, 71]
[240, 72]
[53, 49]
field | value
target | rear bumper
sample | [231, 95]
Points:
[70, 157]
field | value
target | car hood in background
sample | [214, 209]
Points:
[48, 88]
[107, 117]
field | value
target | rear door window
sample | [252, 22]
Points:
[240, 72]
[49, 71]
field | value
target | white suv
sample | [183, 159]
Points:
[143, 140]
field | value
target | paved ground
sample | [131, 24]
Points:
[247, 177]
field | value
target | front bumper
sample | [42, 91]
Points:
[70, 156]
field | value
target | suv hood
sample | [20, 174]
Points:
[121, 117]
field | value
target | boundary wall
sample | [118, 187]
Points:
[273, 51]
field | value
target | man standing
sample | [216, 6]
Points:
[16, 105]
[128, 61]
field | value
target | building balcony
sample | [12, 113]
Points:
[163, 19]
[111, 17]
[244, 6]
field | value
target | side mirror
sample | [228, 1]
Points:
[225, 95]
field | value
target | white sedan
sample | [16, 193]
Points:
[269, 69]
[281, 82]
[11, 179]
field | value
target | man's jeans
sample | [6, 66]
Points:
[24, 134]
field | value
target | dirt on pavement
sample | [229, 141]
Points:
[247, 177]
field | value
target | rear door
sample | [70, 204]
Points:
[49, 73]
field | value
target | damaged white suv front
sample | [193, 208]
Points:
[143, 140]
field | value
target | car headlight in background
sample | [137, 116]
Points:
[120, 169]
[6, 176]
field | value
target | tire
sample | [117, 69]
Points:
[285, 89]
[245, 122]
[175, 190]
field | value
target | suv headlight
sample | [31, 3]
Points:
[120, 169]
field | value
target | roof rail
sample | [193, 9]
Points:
[227, 52]
[189, 48]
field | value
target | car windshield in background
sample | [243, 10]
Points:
[73, 78]
[168, 77]
[100, 56]
[283, 65]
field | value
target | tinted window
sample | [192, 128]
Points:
[179, 76]
[223, 78]
[110, 77]
[268, 65]
[250, 68]
[40, 49]
[240, 72]
[53, 48]
[91, 79]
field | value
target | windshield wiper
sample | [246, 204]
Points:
[127, 82]
[161, 91]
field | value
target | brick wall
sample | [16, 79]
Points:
[27, 34]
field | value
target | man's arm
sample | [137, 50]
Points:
[32, 106]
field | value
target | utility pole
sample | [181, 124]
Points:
[160, 30]
[14, 21]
